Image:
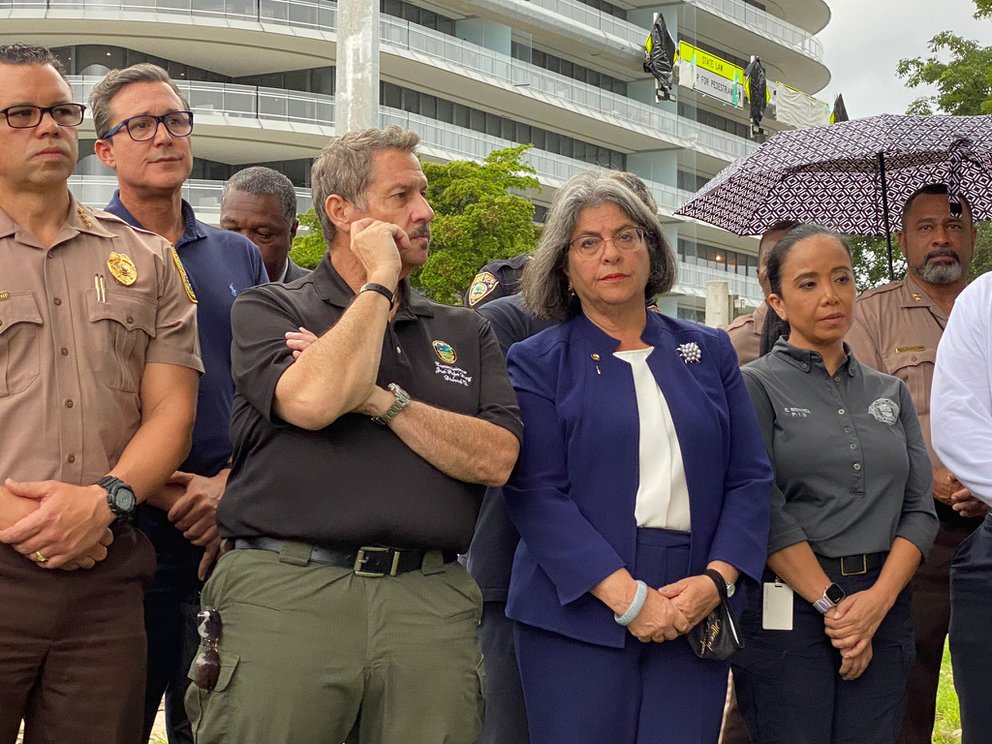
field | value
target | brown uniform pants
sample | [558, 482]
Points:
[72, 647]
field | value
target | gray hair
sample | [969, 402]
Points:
[261, 181]
[115, 81]
[344, 167]
[30, 54]
[544, 283]
[634, 182]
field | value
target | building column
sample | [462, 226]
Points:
[356, 97]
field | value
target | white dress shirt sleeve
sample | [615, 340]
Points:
[961, 398]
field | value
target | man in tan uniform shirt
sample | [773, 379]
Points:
[896, 330]
[745, 331]
[98, 376]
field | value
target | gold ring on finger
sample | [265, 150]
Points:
[39, 557]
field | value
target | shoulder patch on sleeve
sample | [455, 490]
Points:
[483, 285]
[182, 274]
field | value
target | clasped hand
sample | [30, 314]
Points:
[659, 620]
[851, 625]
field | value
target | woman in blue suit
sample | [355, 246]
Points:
[642, 468]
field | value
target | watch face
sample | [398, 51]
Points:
[124, 499]
[835, 594]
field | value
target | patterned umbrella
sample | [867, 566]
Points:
[852, 177]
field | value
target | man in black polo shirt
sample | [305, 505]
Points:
[357, 475]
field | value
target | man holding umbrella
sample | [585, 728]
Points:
[896, 330]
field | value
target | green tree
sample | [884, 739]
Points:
[871, 265]
[480, 215]
[308, 247]
[960, 68]
[984, 8]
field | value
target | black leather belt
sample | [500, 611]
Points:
[852, 565]
[373, 561]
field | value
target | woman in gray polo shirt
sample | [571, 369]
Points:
[829, 647]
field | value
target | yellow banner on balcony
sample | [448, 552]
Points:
[711, 63]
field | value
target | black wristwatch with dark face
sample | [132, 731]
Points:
[120, 497]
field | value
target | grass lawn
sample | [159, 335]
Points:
[947, 729]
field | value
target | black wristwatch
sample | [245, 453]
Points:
[120, 497]
[833, 595]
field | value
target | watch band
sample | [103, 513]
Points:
[401, 401]
[379, 288]
[823, 605]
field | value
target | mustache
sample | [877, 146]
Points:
[941, 253]
[424, 231]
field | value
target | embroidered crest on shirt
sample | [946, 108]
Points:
[690, 352]
[444, 351]
[482, 285]
[885, 411]
[796, 412]
[122, 268]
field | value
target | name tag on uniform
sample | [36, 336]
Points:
[776, 606]
[909, 349]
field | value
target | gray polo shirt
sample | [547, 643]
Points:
[851, 468]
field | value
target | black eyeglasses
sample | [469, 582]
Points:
[143, 128]
[206, 665]
[28, 117]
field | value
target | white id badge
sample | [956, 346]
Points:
[776, 606]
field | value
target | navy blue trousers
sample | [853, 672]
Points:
[644, 693]
[787, 684]
[971, 616]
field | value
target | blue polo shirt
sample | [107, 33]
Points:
[220, 264]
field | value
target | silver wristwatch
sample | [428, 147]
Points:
[402, 401]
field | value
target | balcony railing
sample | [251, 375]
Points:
[765, 24]
[436, 47]
[697, 276]
[203, 196]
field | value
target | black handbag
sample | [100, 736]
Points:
[716, 636]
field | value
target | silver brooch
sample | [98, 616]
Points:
[690, 352]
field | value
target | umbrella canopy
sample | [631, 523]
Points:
[659, 56]
[851, 177]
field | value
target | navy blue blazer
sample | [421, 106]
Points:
[573, 492]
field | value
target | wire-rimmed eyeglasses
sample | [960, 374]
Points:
[28, 117]
[589, 246]
[143, 128]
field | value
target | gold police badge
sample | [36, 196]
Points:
[182, 273]
[122, 268]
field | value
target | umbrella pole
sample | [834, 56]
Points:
[885, 214]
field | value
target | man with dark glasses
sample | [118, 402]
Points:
[98, 375]
[144, 126]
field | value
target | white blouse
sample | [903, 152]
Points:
[662, 491]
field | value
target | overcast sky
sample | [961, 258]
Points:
[865, 39]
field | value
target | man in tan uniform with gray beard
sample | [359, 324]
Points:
[896, 330]
[98, 377]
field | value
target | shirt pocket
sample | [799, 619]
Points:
[20, 342]
[120, 329]
[915, 368]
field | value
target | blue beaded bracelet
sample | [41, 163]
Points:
[640, 597]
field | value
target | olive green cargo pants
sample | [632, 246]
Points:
[306, 651]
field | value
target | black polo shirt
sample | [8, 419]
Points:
[355, 482]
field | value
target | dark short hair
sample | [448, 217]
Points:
[30, 54]
[779, 252]
[932, 189]
[261, 181]
[780, 226]
[544, 283]
[102, 95]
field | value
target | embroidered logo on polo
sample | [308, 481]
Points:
[444, 351]
[885, 411]
[482, 285]
[798, 412]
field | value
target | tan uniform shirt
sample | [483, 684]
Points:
[72, 354]
[745, 334]
[896, 330]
